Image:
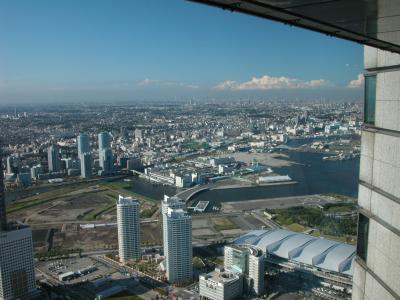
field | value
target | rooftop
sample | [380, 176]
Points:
[303, 248]
[127, 201]
[221, 276]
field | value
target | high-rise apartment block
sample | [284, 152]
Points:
[104, 140]
[86, 165]
[177, 234]
[128, 219]
[105, 154]
[106, 161]
[53, 158]
[83, 144]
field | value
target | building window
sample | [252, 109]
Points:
[370, 99]
[362, 236]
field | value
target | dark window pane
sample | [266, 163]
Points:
[362, 237]
[370, 99]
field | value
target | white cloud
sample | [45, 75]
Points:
[357, 83]
[272, 83]
[159, 83]
[147, 81]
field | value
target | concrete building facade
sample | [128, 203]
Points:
[86, 165]
[377, 267]
[177, 235]
[83, 144]
[250, 262]
[53, 158]
[128, 220]
[17, 277]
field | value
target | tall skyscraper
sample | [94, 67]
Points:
[17, 277]
[53, 158]
[10, 164]
[86, 165]
[106, 161]
[128, 219]
[3, 216]
[177, 234]
[104, 141]
[83, 144]
[377, 267]
[124, 133]
[105, 153]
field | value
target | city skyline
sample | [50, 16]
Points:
[154, 50]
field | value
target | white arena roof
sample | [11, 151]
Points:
[303, 248]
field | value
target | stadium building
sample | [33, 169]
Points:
[322, 262]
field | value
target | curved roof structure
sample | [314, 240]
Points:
[303, 248]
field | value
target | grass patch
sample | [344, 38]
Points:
[339, 207]
[147, 213]
[224, 224]
[311, 217]
[196, 146]
[116, 188]
[296, 227]
[94, 214]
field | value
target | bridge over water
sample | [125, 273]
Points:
[186, 195]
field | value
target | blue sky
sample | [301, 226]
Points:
[132, 49]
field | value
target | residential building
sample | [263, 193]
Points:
[128, 220]
[106, 161]
[177, 234]
[86, 165]
[104, 141]
[83, 144]
[53, 158]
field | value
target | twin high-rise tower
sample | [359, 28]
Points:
[105, 153]
[177, 234]
[86, 158]
[128, 220]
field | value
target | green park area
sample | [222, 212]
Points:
[337, 221]
[223, 224]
